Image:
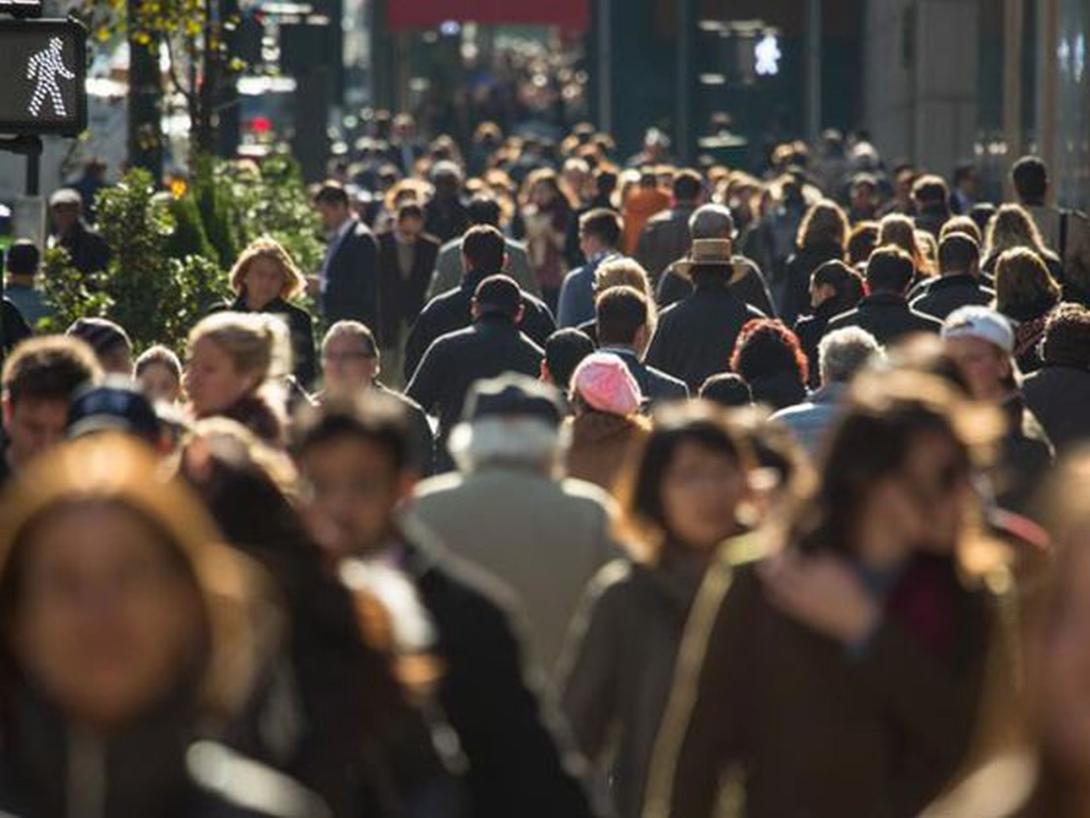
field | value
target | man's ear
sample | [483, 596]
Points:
[474, 309]
[642, 339]
[5, 402]
[520, 314]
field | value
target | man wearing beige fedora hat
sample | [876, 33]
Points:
[695, 337]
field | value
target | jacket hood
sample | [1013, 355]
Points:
[594, 428]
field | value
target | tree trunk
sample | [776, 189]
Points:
[145, 131]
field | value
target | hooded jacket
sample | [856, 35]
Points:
[601, 443]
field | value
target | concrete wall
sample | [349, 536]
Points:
[920, 68]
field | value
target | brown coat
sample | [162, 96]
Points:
[601, 444]
[811, 729]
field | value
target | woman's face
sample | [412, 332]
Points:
[1060, 664]
[212, 381]
[160, 384]
[264, 281]
[106, 623]
[700, 493]
[928, 499]
[542, 194]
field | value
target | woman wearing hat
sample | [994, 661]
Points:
[695, 337]
[607, 425]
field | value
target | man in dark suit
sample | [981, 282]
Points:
[492, 346]
[885, 312]
[348, 280]
[958, 285]
[483, 255]
[406, 258]
[624, 329]
[86, 247]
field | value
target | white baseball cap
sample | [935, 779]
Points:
[980, 322]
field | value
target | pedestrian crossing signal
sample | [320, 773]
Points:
[43, 66]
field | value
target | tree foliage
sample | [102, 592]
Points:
[169, 255]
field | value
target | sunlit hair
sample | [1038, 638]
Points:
[116, 471]
[823, 225]
[862, 241]
[267, 247]
[885, 414]
[546, 177]
[766, 347]
[627, 272]
[644, 527]
[521, 442]
[929, 247]
[257, 344]
[159, 355]
[1013, 226]
[899, 230]
[964, 225]
[1024, 287]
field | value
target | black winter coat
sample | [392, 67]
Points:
[938, 297]
[519, 762]
[751, 288]
[654, 385]
[887, 317]
[792, 294]
[451, 366]
[695, 337]
[300, 325]
[451, 312]
[86, 247]
[15, 327]
[151, 769]
[811, 329]
[1059, 397]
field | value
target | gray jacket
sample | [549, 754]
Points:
[545, 539]
[448, 268]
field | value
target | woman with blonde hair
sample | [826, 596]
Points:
[236, 367]
[1012, 226]
[266, 279]
[822, 236]
[130, 637]
[1027, 294]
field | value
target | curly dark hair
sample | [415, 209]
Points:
[1067, 337]
[765, 346]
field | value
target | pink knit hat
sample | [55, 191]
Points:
[604, 382]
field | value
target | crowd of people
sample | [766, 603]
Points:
[568, 485]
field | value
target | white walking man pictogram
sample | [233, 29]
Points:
[45, 66]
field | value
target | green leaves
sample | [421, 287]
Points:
[170, 255]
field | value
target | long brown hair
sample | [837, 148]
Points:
[644, 525]
[882, 420]
[239, 623]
